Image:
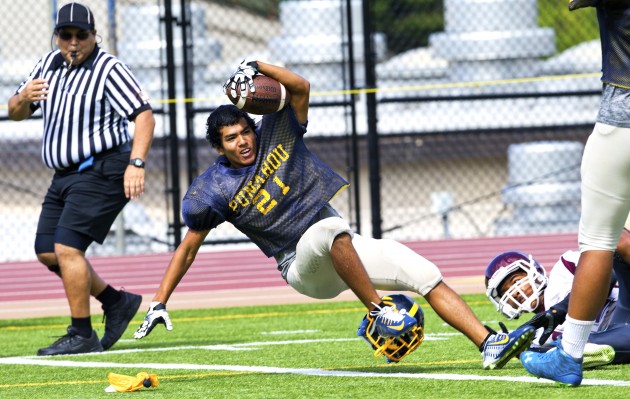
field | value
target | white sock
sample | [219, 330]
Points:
[575, 335]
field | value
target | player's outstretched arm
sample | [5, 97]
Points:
[183, 257]
[157, 314]
[299, 87]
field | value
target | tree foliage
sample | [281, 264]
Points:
[407, 24]
[571, 27]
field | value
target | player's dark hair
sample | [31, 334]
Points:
[225, 115]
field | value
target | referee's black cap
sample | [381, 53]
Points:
[75, 14]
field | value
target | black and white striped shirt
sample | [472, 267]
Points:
[88, 106]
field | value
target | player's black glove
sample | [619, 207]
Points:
[547, 320]
[157, 314]
[504, 329]
[575, 4]
[242, 78]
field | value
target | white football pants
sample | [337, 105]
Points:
[605, 187]
[390, 265]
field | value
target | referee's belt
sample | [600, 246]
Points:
[90, 161]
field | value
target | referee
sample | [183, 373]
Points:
[86, 97]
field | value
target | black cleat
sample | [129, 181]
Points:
[118, 316]
[72, 343]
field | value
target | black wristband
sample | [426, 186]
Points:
[253, 64]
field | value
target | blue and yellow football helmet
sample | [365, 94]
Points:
[394, 348]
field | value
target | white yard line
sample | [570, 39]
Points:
[64, 362]
[282, 370]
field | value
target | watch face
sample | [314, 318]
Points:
[137, 162]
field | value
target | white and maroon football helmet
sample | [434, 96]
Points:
[515, 301]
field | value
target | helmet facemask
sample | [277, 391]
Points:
[515, 301]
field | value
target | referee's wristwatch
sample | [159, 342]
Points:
[137, 162]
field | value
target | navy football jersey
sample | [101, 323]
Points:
[272, 201]
[614, 29]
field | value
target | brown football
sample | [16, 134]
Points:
[270, 96]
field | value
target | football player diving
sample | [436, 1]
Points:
[271, 187]
[516, 283]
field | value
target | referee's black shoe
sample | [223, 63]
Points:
[72, 343]
[118, 316]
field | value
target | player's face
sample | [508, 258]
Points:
[525, 291]
[75, 44]
[238, 144]
[513, 279]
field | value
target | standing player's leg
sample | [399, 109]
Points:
[605, 205]
[76, 277]
[104, 185]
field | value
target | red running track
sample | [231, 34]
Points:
[246, 272]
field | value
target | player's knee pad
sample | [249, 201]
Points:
[312, 273]
[394, 266]
[414, 271]
[322, 234]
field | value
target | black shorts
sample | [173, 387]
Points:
[84, 202]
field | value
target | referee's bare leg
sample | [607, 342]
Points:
[98, 284]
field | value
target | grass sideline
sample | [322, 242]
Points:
[289, 351]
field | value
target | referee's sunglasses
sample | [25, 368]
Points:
[80, 35]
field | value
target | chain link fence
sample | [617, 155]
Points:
[450, 118]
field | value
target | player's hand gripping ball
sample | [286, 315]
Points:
[268, 96]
